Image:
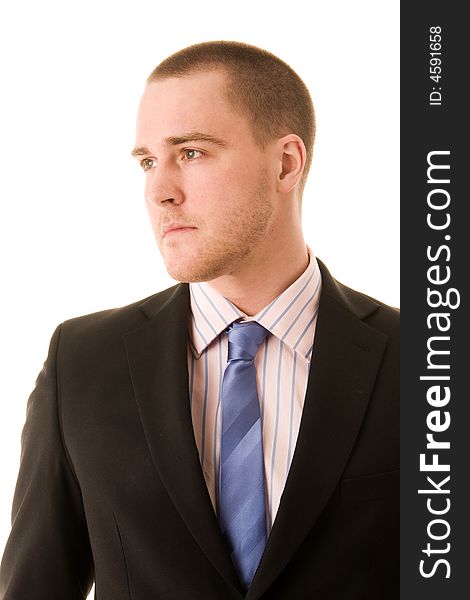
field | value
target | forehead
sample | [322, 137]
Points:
[195, 102]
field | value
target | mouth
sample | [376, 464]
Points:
[174, 229]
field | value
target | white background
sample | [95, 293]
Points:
[74, 233]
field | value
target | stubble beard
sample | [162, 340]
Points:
[236, 241]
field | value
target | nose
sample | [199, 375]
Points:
[163, 187]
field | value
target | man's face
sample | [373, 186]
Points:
[207, 183]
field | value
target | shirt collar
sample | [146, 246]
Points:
[289, 316]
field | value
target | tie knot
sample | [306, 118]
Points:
[244, 339]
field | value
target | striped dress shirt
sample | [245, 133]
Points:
[282, 366]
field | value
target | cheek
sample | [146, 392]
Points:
[204, 192]
[225, 184]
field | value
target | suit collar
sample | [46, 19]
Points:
[355, 302]
[345, 361]
[358, 304]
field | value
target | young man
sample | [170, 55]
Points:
[235, 435]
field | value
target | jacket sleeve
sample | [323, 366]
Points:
[48, 555]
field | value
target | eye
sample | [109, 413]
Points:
[191, 154]
[148, 163]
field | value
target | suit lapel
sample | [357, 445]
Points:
[346, 358]
[157, 355]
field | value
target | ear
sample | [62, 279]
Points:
[292, 156]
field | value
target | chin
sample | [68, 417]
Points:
[185, 273]
[193, 271]
[184, 276]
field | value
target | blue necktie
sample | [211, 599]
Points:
[242, 496]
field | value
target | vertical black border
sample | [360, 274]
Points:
[424, 129]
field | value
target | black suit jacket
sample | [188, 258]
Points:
[110, 486]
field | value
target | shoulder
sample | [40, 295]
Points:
[115, 322]
[381, 315]
[369, 310]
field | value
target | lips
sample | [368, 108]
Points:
[174, 228]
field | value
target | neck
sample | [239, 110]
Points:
[264, 276]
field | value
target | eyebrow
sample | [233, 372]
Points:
[176, 140]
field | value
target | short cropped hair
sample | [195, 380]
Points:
[261, 87]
